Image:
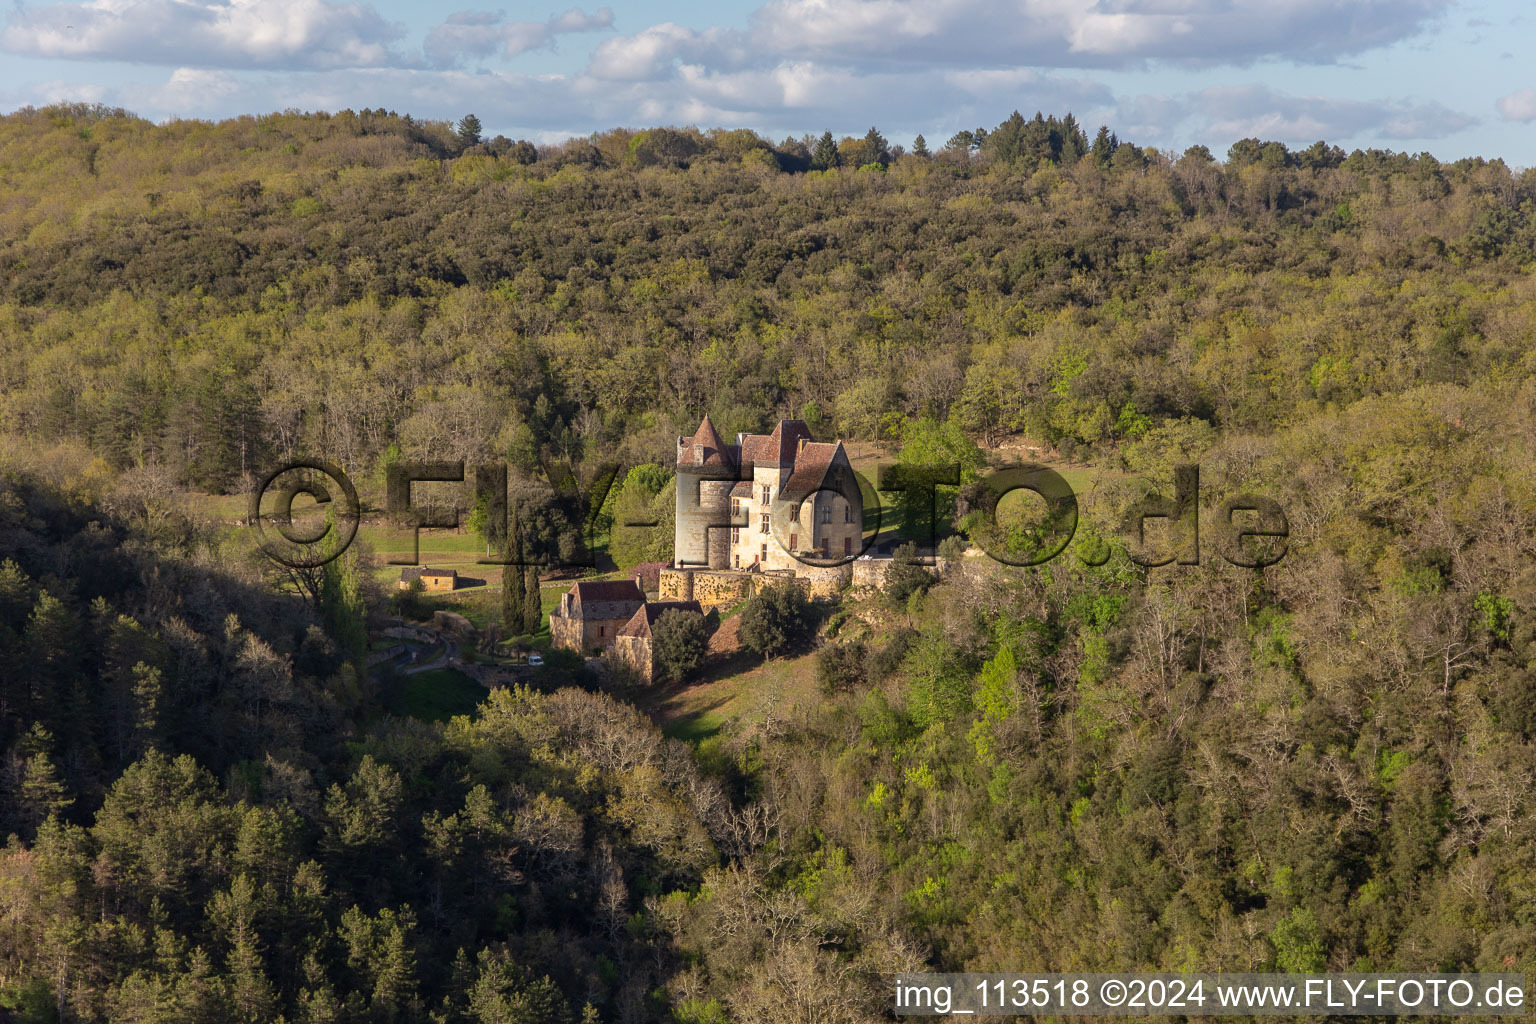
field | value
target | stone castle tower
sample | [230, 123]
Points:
[706, 472]
[767, 503]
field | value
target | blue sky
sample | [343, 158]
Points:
[1454, 78]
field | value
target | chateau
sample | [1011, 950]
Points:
[769, 507]
[759, 503]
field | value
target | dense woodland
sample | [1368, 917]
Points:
[1324, 764]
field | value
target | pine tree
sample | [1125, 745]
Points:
[1074, 143]
[234, 913]
[876, 149]
[825, 156]
[53, 643]
[962, 139]
[919, 146]
[1104, 145]
[15, 596]
[148, 692]
[468, 131]
[43, 794]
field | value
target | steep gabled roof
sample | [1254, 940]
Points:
[778, 448]
[812, 464]
[789, 434]
[645, 618]
[607, 590]
[416, 572]
[759, 449]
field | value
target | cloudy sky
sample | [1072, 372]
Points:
[1455, 78]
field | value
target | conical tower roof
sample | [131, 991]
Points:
[707, 436]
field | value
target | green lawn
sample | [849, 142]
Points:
[391, 543]
[738, 698]
[437, 696]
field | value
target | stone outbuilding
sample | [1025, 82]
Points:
[590, 613]
[431, 579]
[633, 645]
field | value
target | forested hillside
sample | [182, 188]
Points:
[1324, 764]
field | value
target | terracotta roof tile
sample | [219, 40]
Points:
[759, 449]
[416, 572]
[706, 448]
[645, 618]
[707, 435]
[608, 590]
[812, 465]
[789, 434]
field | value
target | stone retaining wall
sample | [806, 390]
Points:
[719, 589]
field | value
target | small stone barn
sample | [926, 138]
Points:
[633, 644]
[431, 579]
[590, 613]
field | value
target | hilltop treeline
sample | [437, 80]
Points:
[207, 297]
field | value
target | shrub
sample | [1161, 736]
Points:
[907, 575]
[678, 644]
[840, 667]
[775, 619]
[887, 660]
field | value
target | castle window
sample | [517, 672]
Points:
[826, 513]
[738, 559]
[762, 527]
[767, 492]
[764, 555]
[847, 513]
[735, 534]
[601, 630]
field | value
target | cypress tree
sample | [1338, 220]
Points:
[533, 608]
[514, 580]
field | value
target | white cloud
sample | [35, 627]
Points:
[56, 91]
[209, 33]
[482, 33]
[652, 53]
[1256, 111]
[196, 90]
[1425, 121]
[908, 66]
[1085, 33]
[1518, 106]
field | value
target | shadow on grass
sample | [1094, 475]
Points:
[434, 696]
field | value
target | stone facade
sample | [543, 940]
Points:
[633, 646]
[431, 579]
[763, 500]
[870, 571]
[590, 613]
[721, 589]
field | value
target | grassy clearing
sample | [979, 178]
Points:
[436, 696]
[736, 696]
[392, 543]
